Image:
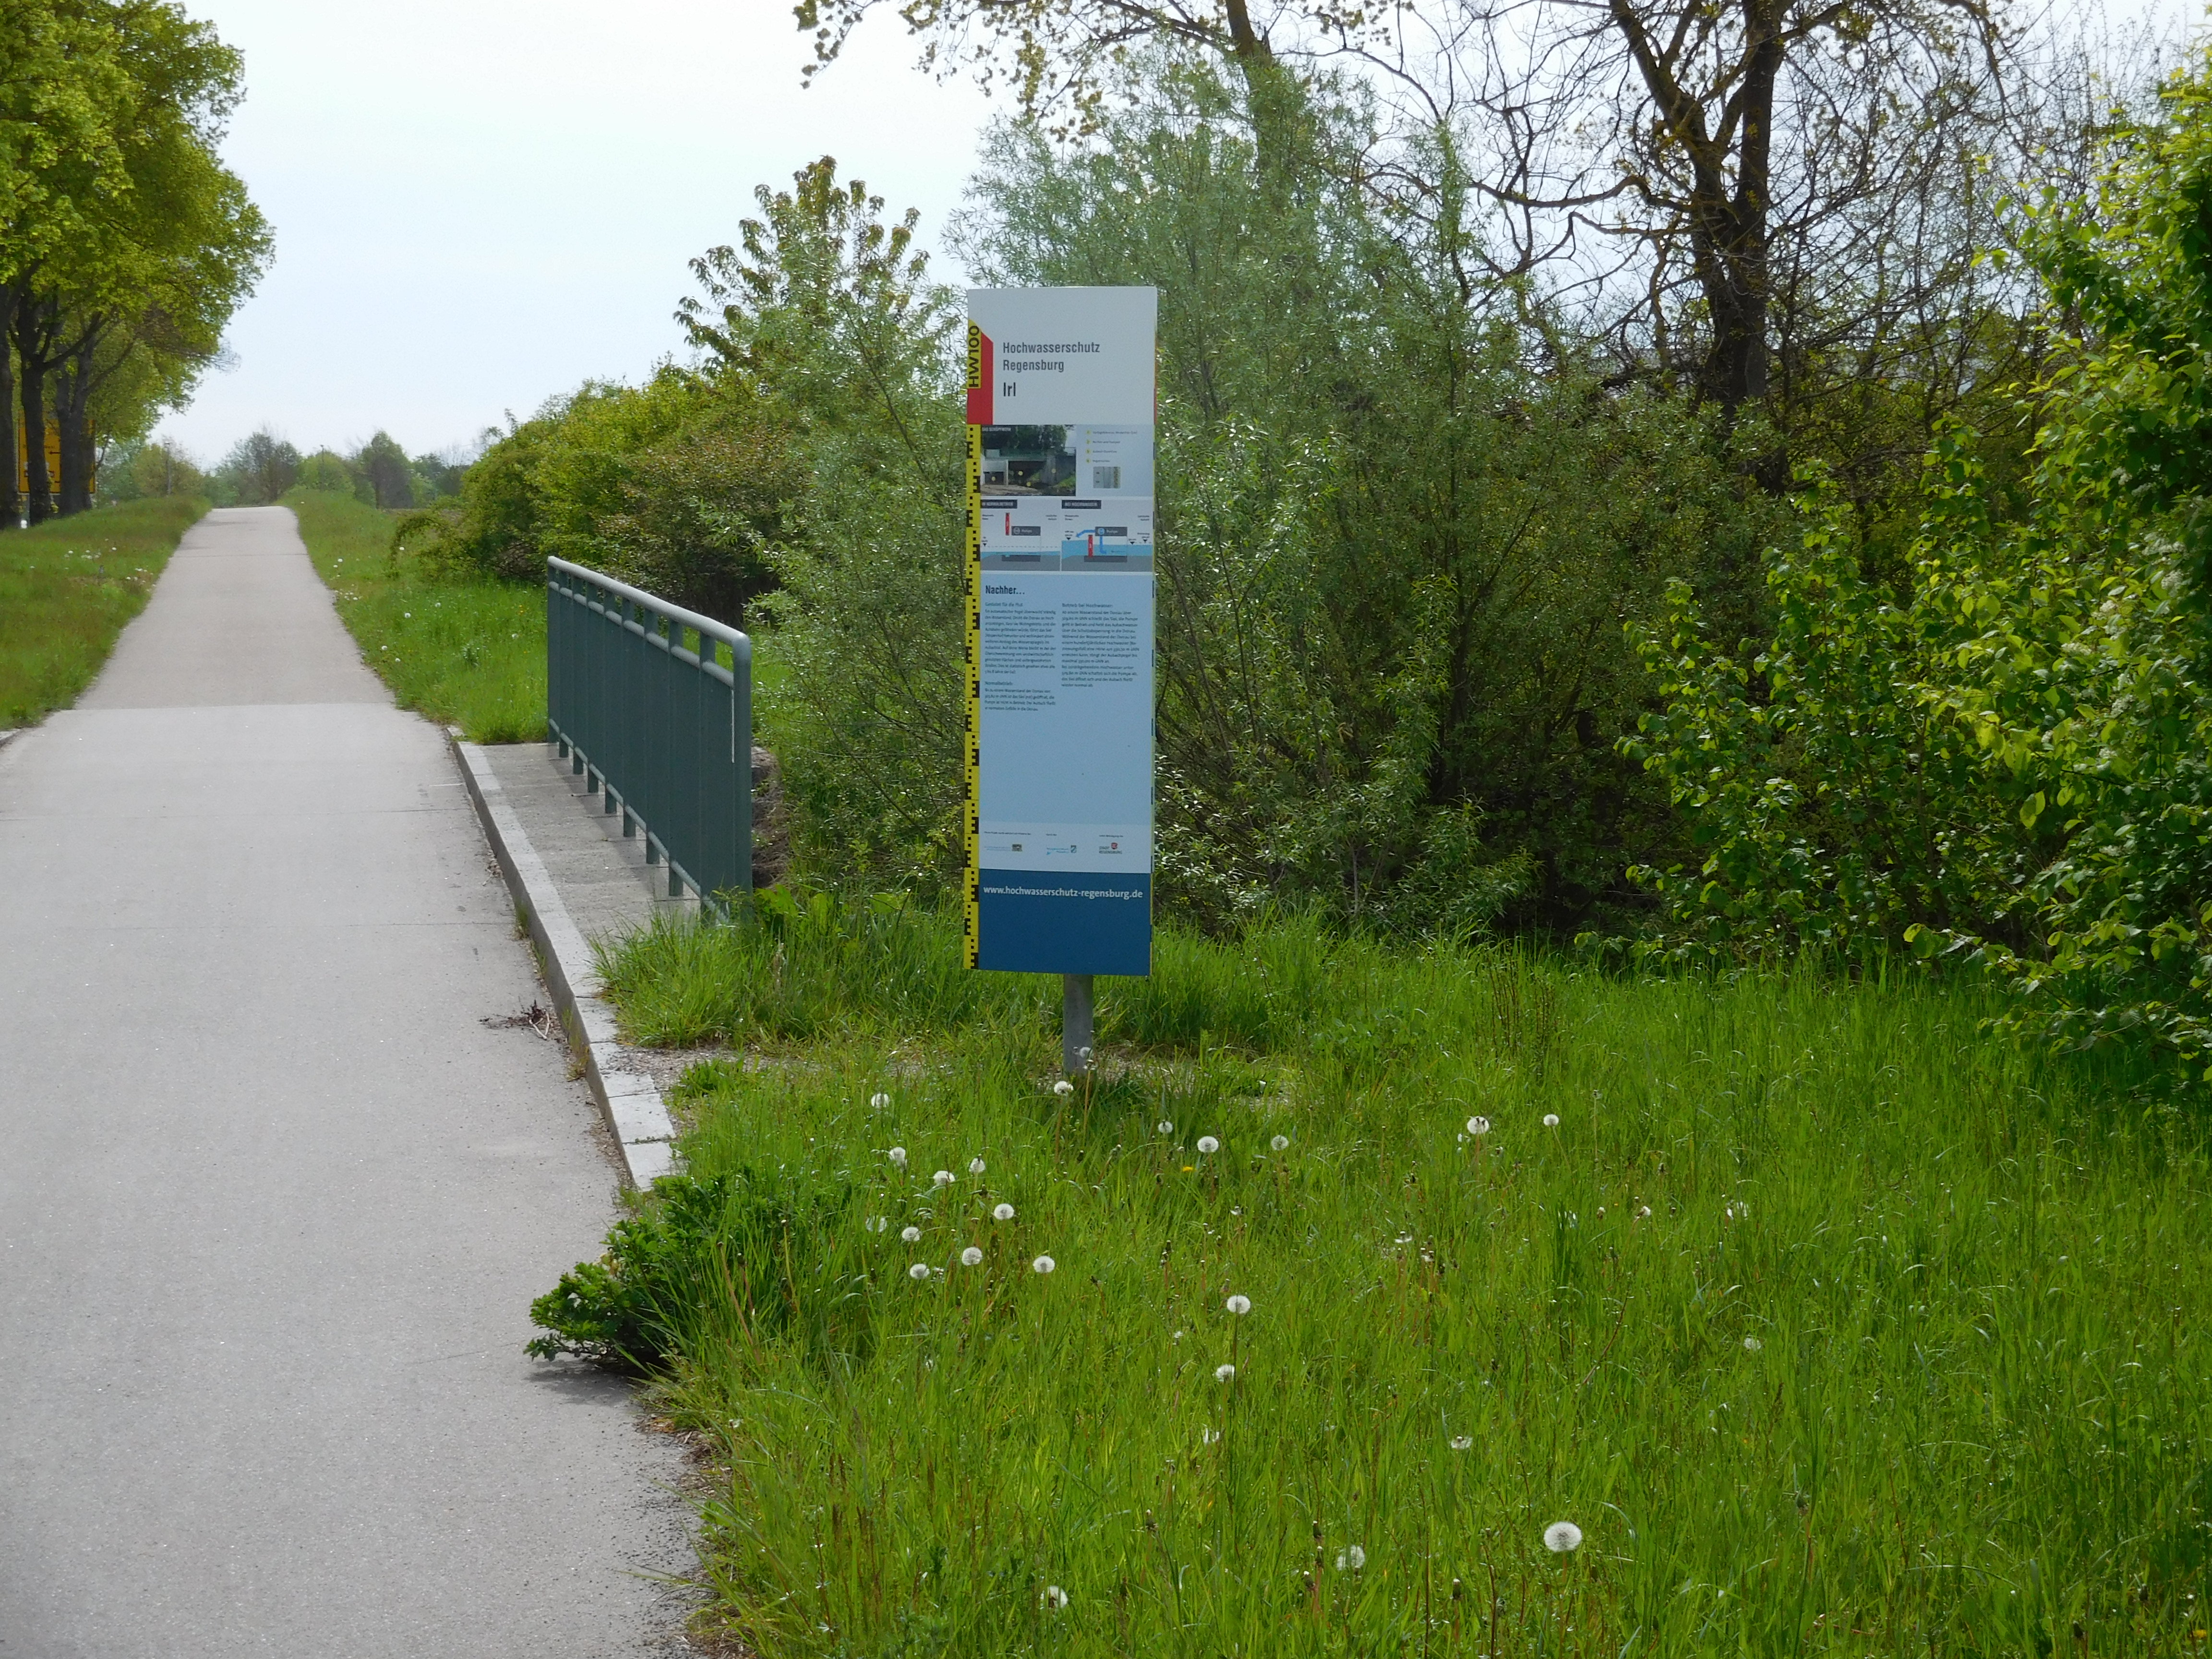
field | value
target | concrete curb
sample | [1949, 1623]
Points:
[630, 1102]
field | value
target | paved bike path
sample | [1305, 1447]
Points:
[273, 1199]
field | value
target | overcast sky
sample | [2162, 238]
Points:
[479, 204]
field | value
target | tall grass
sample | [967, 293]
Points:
[66, 590]
[466, 653]
[1836, 1326]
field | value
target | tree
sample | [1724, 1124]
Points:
[327, 470]
[134, 469]
[1062, 57]
[1772, 204]
[134, 244]
[382, 466]
[2002, 760]
[59, 156]
[259, 468]
[832, 353]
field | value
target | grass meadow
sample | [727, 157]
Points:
[466, 653]
[66, 590]
[1834, 1325]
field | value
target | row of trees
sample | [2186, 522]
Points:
[261, 466]
[124, 243]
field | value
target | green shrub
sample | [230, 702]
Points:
[2003, 760]
[749, 1249]
[676, 486]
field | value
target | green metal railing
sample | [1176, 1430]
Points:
[664, 729]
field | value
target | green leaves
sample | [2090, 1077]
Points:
[1835, 810]
[2005, 762]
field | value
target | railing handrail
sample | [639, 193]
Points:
[706, 627]
[664, 735]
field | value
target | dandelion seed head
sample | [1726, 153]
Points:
[1043, 1264]
[1239, 1305]
[1353, 1558]
[911, 1235]
[1644, 1213]
[1054, 1598]
[1752, 1344]
[975, 1166]
[1551, 1120]
[971, 1257]
[1165, 1126]
[1208, 1144]
[877, 1223]
[1462, 1442]
[1225, 1373]
[898, 1156]
[1478, 1125]
[879, 1100]
[942, 1177]
[1281, 1143]
[919, 1270]
[1084, 1053]
[1002, 1213]
[1563, 1537]
[1063, 1088]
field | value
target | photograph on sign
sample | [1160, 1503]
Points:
[1060, 495]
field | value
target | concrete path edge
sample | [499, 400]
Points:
[630, 1103]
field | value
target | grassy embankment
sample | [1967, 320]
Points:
[1836, 1325]
[66, 590]
[466, 653]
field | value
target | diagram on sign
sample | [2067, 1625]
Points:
[1066, 498]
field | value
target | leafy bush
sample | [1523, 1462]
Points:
[743, 1245]
[2007, 762]
[1836, 807]
[672, 486]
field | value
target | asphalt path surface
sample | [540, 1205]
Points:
[274, 1199]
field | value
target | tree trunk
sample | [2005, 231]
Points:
[12, 489]
[1729, 231]
[34, 328]
[39, 497]
[73, 493]
[1732, 253]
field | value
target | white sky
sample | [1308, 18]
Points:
[479, 204]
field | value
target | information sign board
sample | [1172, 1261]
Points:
[1060, 407]
[53, 448]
